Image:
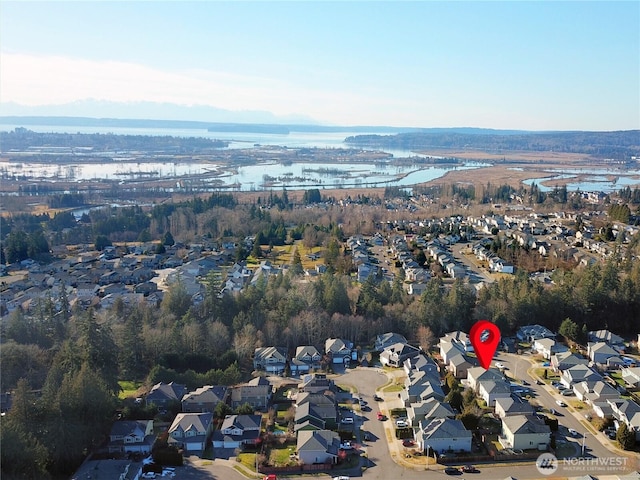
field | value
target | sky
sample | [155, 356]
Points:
[541, 65]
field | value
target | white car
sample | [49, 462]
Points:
[500, 366]
[561, 403]
[400, 423]
[347, 420]
[573, 433]
[341, 477]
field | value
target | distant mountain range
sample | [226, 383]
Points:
[248, 127]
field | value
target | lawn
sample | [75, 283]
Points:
[128, 388]
[279, 457]
[393, 388]
[248, 460]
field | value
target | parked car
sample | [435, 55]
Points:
[401, 423]
[561, 403]
[341, 477]
[381, 416]
[568, 393]
[377, 398]
[347, 420]
[408, 443]
[500, 366]
[539, 382]
[470, 469]
[346, 446]
[573, 433]
[452, 471]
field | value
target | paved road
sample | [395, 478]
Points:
[382, 467]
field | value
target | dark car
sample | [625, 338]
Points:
[377, 398]
[452, 471]
[408, 443]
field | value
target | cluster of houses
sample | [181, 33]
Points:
[520, 429]
[307, 358]
[193, 427]
[587, 379]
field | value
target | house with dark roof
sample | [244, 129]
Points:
[607, 337]
[256, 392]
[577, 374]
[205, 399]
[316, 382]
[163, 394]
[270, 359]
[191, 431]
[600, 352]
[131, 436]
[421, 363]
[307, 358]
[428, 409]
[338, 350]
[385, 340]
[237, 431]
[512, 405]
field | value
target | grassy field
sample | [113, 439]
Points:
[128, 388]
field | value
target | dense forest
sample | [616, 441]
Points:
[22, 139]
[620, 145]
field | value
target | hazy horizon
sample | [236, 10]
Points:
[535, 66]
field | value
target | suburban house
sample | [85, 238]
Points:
[307, 358]
[238, 430]
[628, 412]
[429, 409]
[578, 373]
[163, 394]
[631, 376]
[421, 386]
[595, 391]
[460, 339]
[531, 333]
[562, 361]
[396, 354]
[191, 431]
[316, 382]
[600, 352]
[131, 436]
[318, 446]
[477, 374]
[270, 359]
[512, 405]
[385, 340]
[490, 390]
[607, 337]
[205, 399]
[421, 363]
[443, 435]
[524, 432]
[338, 350]
[256, 392]
[547, 347]
[459, 366]
[316, 409]
[449, 350]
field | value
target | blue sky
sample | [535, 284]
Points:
[524, 65]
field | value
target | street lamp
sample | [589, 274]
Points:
[426, 455]
[584, 438]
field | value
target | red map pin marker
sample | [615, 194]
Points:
[484, 337]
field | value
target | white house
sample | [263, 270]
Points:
[444, 435]
[318, 446]
[524, 432]
[490, 390]
[548, 347]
